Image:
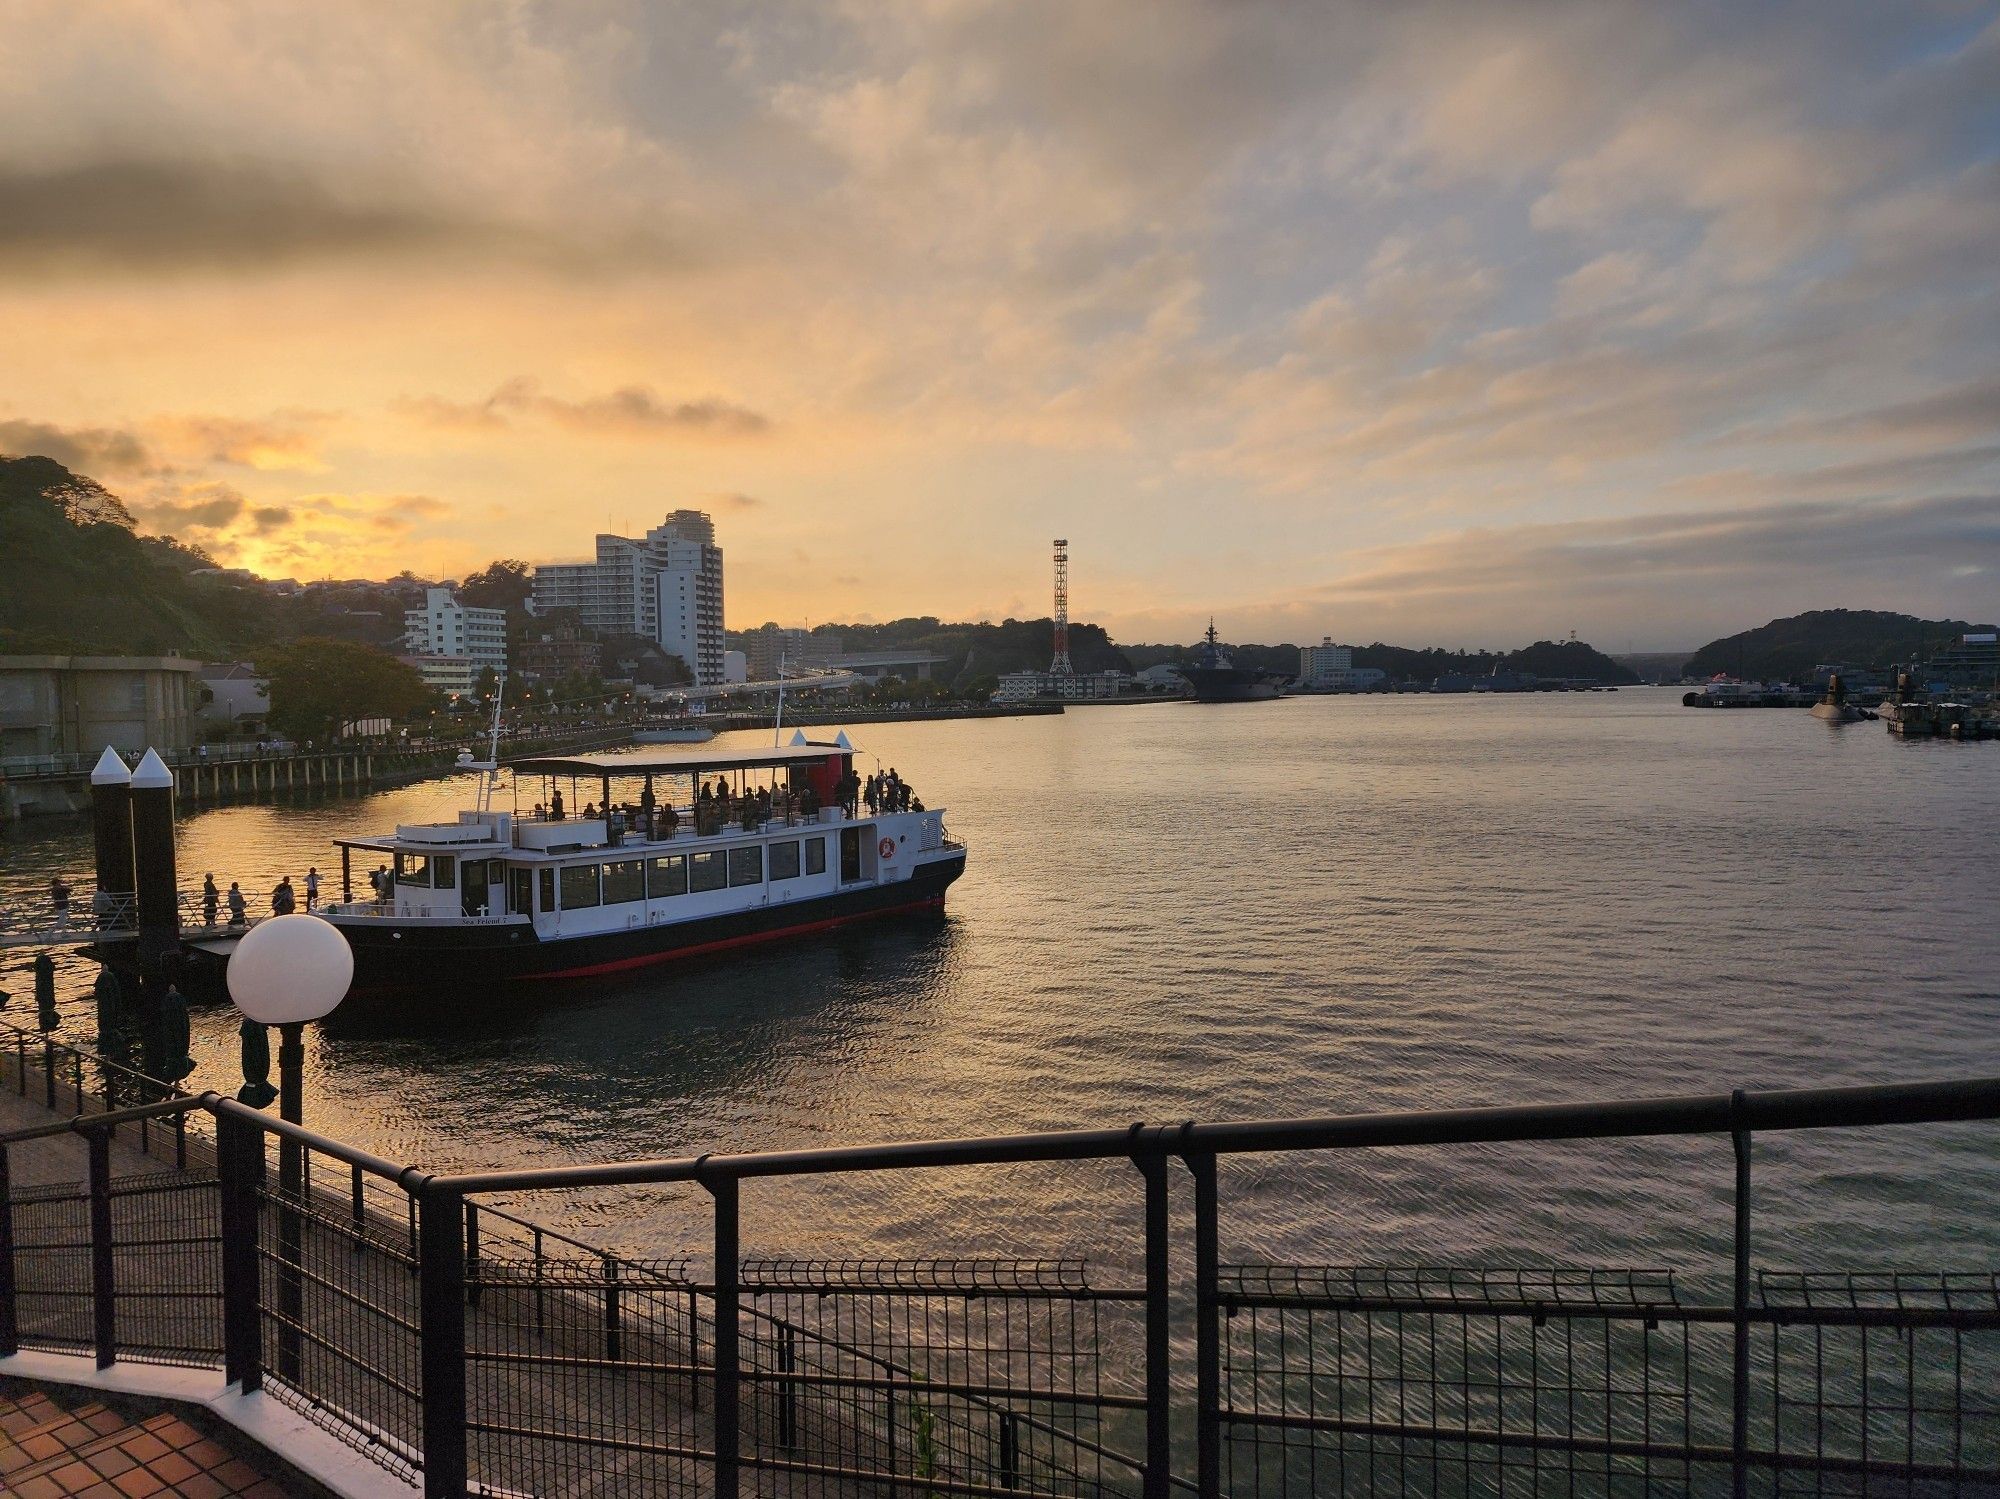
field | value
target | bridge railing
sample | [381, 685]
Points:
[461, 1345]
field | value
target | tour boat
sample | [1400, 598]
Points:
[652, 874]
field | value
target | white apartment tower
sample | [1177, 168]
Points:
[1325, 664]
[665, 586]
[445, 627]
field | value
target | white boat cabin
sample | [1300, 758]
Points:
[774, 826]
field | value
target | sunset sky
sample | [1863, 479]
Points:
[1460, 323]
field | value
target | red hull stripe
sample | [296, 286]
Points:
[646, 960]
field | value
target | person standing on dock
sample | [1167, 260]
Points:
[59, 893]
[210, 898]
[312, 889]
[238, 906]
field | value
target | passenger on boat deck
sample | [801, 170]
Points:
[238, 906]
[589, 810]
[916, 804]
[283, 902]
[764, 802]
[540, 810]
[670, 819]
[556, 806]
[210, 898]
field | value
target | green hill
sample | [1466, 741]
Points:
[1790, 648]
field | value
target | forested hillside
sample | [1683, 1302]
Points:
[1790, 648]
[74, 576]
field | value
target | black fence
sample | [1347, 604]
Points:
[469, 1350]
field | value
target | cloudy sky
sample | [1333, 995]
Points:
[1460, 323]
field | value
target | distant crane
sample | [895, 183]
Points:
[1059, 662]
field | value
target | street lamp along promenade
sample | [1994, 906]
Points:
[287, 971]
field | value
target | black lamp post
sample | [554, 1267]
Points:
[288, 971]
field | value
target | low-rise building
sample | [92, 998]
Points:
[1026, 686]
[556, 652]
[1165, 678]
[454, 676]
[232, 699]
[76, 705]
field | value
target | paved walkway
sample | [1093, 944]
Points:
[56, 1443]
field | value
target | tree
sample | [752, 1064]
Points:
[505, 584]
[319, 684]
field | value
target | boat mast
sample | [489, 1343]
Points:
[489, 772]
[778, 723]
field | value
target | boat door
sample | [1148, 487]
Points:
[475, 877]
[850, 855]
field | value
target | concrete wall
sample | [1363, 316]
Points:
[63, 705]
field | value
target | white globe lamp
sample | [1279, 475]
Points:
[287, 971]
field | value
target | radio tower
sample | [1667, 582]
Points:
[1059, 663]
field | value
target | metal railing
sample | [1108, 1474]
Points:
[463, 1345]
[101, 916]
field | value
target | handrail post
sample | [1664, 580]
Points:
[1159, 1391]
[1739, 1140]
[471, 1253]
[1207, 1329]
[103, 1277]
[239, 1149]
[441, 1298]
[723, 1189]
[10, 1338]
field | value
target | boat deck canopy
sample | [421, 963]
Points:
[675, 760]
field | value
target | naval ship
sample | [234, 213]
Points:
[1216, 679]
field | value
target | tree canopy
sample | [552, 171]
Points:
[317, 684]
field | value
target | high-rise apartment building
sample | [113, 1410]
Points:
[445, 627]
[665, 586]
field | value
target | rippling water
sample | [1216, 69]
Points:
[1312, 906]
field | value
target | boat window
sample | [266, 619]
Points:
[815, 856]
[548, 890]
[443, 872]
[624, 881]
[579, 887]
[667, 876]
[413, 870]
[746, 866]
[706, 871]
[785, 860]
[520, 890]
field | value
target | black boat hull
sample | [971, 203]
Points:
[392, 958]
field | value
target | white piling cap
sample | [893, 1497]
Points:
[843, 741]
[799, 738]
[152, 774]
[110, 770]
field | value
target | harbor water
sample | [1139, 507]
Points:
[1302, 907]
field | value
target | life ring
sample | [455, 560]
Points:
[886, 848]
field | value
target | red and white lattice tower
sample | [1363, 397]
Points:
[1059, 663]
